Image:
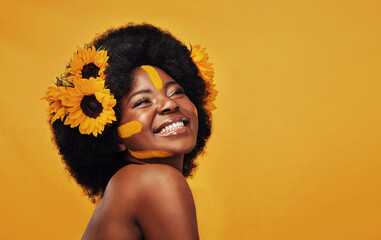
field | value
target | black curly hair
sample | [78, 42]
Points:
[92, 161]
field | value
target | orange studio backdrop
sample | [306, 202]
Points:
[296, 149]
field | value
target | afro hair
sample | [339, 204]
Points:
[92, 161]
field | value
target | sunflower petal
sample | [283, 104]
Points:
[206, 71]
[66, 100]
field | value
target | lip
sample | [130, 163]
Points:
[175, 132]
[169, 121]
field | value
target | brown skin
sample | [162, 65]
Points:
[152, 107]
[150, 199]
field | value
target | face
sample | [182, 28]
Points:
[158, 119]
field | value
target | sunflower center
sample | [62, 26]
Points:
[90, 70]
[90, 106]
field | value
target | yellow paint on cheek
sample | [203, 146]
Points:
[154, 76]
[195, 111]
[150, 154]
[130, 128]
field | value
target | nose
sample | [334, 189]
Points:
[168, 105]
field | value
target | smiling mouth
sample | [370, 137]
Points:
[173, 127]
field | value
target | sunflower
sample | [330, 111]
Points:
[90, 105]
[206, 71]
[54, 96]
[86, 63]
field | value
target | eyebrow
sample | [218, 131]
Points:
[149, 91]
[170, 83]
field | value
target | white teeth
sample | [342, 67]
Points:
[172, 127]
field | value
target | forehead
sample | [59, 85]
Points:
[149, 77]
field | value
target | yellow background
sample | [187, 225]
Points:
[296, 148]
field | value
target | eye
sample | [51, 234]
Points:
[141, 101]
[178, 91]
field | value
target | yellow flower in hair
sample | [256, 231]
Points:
[90, 105]
[86, 63]
[206, 72]
[54, 95]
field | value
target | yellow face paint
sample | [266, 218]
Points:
[150, 154]
[195, 111]
[154, 75]
[130, 128]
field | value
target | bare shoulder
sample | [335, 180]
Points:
[161, 199]
[145, 175]
[134, 182]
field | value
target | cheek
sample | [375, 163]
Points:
[135, 123]
[134, 131]
[187, 105]
[130, 128]
[192, 111]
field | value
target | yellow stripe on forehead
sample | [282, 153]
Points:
[130, 128]
[154, 75]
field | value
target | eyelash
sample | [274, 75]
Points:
[140, 102]
[147, 100]
[177, 92]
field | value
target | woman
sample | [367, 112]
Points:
[129, 116]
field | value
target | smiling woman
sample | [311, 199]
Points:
[129, 116]
[168, 117]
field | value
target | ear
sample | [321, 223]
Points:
[122, 147]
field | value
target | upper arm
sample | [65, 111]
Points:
[165, 206]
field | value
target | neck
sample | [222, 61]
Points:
[175, 161]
